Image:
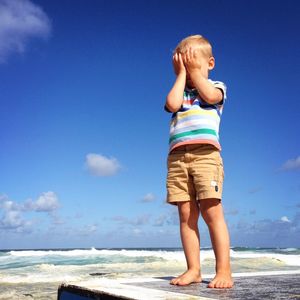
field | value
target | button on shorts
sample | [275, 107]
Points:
[195, 172]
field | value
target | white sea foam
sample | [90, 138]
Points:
[163, 254]
[32, 253]
[288, 259]
[178, 255]
[11, 295]
[30, 266]
[289, 249]
[42, 274]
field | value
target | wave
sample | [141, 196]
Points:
[164, 254]
[42, 266]
[288, 259]
[73, 252]
[81, 257]
[167, 254]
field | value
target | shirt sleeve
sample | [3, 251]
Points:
[166, 109]
[221, 86]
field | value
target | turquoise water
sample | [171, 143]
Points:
[39, 272]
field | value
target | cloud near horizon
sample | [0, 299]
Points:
[47, 202]
[291, 164]
[100, 165]
[285, 219]
[282, 232]
[13, 213]
[20, 21]
[149, 197]
[138, 221]
[13, 220]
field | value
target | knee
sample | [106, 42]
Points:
[207, 216]
[184, 212]
[211, 211]
[188, 213]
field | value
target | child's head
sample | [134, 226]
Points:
[197, 41]
[203, 47]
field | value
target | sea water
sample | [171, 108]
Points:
[36, 274]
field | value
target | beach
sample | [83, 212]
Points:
[36, 274]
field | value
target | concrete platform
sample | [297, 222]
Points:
[262, 285]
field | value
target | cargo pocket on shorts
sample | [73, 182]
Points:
[215, 182]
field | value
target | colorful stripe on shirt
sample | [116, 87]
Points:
[197, 121]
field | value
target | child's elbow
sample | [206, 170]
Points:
[214, 98]
[211, 100]
[171, 107]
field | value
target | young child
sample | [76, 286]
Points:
[195, 167]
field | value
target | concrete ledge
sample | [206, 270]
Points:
[67, 291]
[260, 285]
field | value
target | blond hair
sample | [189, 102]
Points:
[197, 39]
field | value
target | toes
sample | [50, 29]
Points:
[175, 281]
[180, 281]
[220, 284]
[183, 282]
[185, 279]
[226, 285]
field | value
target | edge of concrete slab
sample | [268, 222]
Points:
[131, 288]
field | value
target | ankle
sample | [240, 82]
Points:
[223, 271]
[194, 270]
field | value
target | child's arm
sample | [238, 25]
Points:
[175, 97]
[207, 91]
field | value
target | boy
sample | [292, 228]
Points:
[195, 167]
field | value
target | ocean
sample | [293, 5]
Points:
[36, 274]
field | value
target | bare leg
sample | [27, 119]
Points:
[189, 214]
[212, 213]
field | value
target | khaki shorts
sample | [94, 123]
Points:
[195, 172]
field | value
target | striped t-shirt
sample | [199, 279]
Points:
[197, 122]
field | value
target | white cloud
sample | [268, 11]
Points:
[7, 204]
[138, 221]
[232, 212]
[56, 219]
[137, 231]
[283, 232]
[171, 218]
[87, 230]
[285, 219]
[148, 198]
[291, 164]
[47, 202]
[20, 20]
[99, 165]
[160, 221]
[13, 220]
[13, 213]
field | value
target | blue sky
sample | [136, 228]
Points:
[84, 136]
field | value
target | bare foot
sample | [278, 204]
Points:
[188, 277]
[221, 281]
